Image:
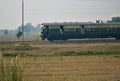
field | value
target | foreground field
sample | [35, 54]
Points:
[68, 62]
[73, 68]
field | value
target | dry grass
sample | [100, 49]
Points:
[51, 49]
[8, 38]
[74, 68]
[70, 68]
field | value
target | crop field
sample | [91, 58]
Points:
[67, 62]
[84, 68]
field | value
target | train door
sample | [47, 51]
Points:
[47, 30]
[82, 29]
[61, 30]
[62, 35]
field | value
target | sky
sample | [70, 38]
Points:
[41, 11]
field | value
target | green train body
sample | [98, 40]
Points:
[77, 30]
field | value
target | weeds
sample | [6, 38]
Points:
[12, 71]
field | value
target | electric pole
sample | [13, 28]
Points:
[23, 21]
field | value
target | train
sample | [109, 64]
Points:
[78, 30]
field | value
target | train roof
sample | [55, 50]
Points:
[76, 23]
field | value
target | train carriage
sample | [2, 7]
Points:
[77, 30]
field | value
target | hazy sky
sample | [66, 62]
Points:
[39, 11]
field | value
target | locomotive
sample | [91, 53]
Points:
[77, 30]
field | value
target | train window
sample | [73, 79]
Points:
[71, 29]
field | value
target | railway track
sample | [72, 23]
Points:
[111, 40]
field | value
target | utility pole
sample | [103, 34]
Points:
[23, 20]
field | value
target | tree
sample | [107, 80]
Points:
[19, 34]
[37, 28]
[6, 35]
[27, 28]
[6, 32]
[116, 19]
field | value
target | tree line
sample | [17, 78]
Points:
[116, 19]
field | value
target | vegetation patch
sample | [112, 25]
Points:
[7, 48]
[20, 54]
[3, 49]
[75, 53]
[23, 47]
[67, 53]
[11, 71]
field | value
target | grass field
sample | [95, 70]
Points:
[51, 49]
[68, 62]
[82, 68]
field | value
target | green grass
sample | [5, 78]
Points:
[11, 71]
[66, 53]
[75, 53]
[19, 54]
